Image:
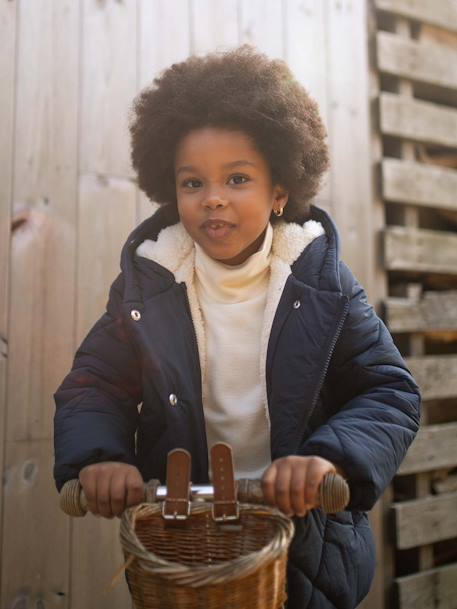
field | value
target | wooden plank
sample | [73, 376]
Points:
[424, 521]
[416, 347]
[407, 249]
[434, 311]
[410, 182]
[447, 484]
[8, 17]
[97, 558]
[7, 98]
[106, 216]
[261, 24]
[34, 576]
[41, 298]
[436, 588]
[433, 34]
[418, 120]
[435, 447]
[108, 86]
[305, 34]
[107, 201]
[214, 25]
[429, 63]
[339, 68]
[159, 22]
[381, 588]
[349, 135]
[435, 374]
[378, 292]
[443, 13]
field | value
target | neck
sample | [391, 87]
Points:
[220, 282]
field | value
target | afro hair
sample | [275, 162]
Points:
[242, 90]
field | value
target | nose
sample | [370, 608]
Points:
[214, 200]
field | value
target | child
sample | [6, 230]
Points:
[233, 319]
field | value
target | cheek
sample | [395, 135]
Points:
[187, 217]
[258, 214]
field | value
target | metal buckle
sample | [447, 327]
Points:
[224, 517]
[175, 515]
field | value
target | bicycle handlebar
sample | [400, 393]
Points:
[333, 494]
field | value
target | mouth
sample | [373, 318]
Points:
[217, 229]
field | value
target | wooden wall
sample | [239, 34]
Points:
[416, 55]
[70, 69]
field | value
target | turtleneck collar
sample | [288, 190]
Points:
[222, 283]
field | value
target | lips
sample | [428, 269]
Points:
[216, 228]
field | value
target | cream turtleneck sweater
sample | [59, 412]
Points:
[233, 372]
[232, 300]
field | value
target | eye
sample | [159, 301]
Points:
[238, 179]
[191, 183]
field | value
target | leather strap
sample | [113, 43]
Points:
[225, 505]
[176, 506]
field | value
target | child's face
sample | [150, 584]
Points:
[225, 193]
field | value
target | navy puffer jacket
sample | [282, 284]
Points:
[337, 387]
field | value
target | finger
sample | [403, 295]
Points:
[282, 489]
[268, 484]
[297, 491]
[88, 482]
[135, 487]
[103, 494]
[118, 492]
[316, 471]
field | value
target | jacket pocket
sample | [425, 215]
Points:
[348, 559]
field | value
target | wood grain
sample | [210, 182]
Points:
[214, 25]
[108, 85]
[434, 311]
[435, 374]
[8, 20]
[434, 447]
[435, 588]
[349, 136]
[159, 22]
[42, 268]
[106, 215]
[424, 521]
[420, 184]
[418, 120]
[409, 249]
[306, 52]
[430, 63]
[261, 23]
[443, 13]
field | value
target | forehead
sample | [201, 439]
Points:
[217, 146]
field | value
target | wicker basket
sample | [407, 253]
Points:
[203, 564]
[184, 553]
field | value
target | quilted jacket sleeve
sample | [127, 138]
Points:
[377, 403]
[96, 404]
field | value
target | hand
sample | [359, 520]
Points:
[292, 483]
[110, 487]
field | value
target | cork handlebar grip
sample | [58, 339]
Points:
[333, 494]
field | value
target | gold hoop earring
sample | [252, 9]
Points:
[278, 212]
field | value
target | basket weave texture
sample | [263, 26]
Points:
[203, 564]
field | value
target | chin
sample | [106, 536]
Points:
[222, 255]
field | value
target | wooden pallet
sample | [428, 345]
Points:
[416, 54]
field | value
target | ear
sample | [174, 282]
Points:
[280, 196]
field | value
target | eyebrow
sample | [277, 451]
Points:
[225, 166]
